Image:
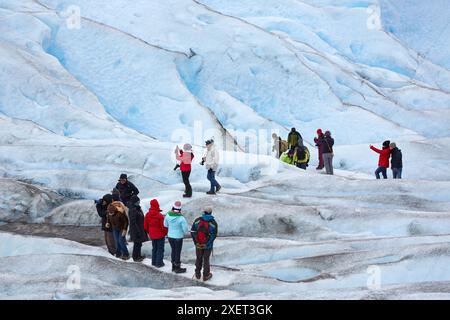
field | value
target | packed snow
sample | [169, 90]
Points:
[82, 101]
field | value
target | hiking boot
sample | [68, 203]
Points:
[218, 189]
[198, 276]
[207, 277]
[186, 196]
[160, 266]
[211, 192]
[180, 270]
[140, 259]
[125, 258]
[319, 168]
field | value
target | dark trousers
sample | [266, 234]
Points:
[381, 170]
[187, 185]
[158, 252]
[203, 256]
[397, 173]
[176, 245]
[121, 247]
[110, 242]
[301, 166]
[137, 250]
[212, 179]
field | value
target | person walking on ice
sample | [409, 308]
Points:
[396, 161]
[211, 161]
[204, 232]
[383, 161]
[328, 154]
[177, 226]
[185, 157]
[154, 225]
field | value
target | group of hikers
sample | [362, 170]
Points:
[121, 213]
[293, 151]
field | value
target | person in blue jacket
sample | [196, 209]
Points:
[204, 232]
[177, 228]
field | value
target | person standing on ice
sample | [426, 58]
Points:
[319, 144]
[177, 226]
[185, 157]
[204, 232]
[383, 161]
[102, 206]
[327, 153]
[211, 161]
[126, 188]
[118, 222]
[396, 161]
[279, 145]
[294, 139]
[154, 226]
[137, 233]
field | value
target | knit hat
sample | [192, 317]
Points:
[386, 143]
[177, 206]
[123, 176]
[187, 147]
[207, 210]
[319, 132]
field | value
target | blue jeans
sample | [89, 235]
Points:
[121, 247]
[212, 179]
[158, 252]
[176, 245]
[381, 170]
[397, 173]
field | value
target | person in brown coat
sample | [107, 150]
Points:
[118, 221]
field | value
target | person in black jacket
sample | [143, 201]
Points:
[102, 206]
[126, 189]
[396, 161]
[137, 232]
[327, 144]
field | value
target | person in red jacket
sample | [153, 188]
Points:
[185, 157]
[319, 143]
[154, 226]
[383, 162]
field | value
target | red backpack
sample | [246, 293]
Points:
[202, 236]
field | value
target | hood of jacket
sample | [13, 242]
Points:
[154, 208]
[207, 217]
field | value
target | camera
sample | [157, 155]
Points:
[203, 162]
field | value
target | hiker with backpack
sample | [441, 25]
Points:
[137, 233]
[177, 227]
[327, 152]
[126, 189]
[185, 157]
[319, 144]
[396, 161]
[154, 226]
[211, 161]
[102, 206]
[204, 232]
[383, 161]
[117, 220]
[301, 157]
[294, 139]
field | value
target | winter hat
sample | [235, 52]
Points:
[207, 210]
[386, 144]
[154, 204]
[177, 206]
[319, 132]
[108, 198]
[123, 176]
[187, 147]
[208, 142]
[327, 133]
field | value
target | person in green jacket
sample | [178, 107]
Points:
[288, 157]
[294, 139]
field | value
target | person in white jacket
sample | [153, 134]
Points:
[211, 161]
